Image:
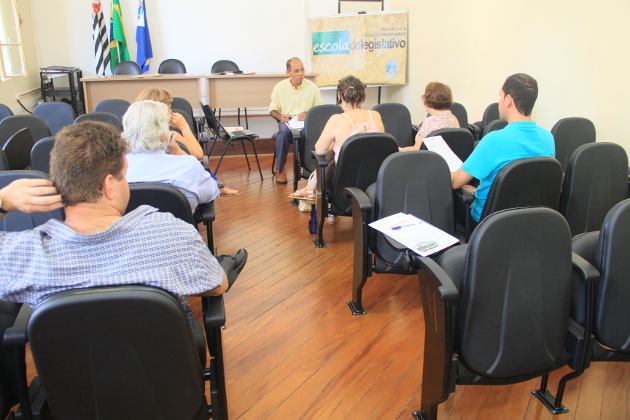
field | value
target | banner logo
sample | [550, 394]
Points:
[391, 68]
[331, 42]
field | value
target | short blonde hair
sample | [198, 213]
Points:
[144, 124]
[157, 94]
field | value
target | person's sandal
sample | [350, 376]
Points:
[303, 197]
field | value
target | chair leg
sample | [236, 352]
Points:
[273, 164]
[227, 144]
[362, 260]
[256, 156]
[239, 117]
[554, 404]
[321, 206]
[218, 394]
[245, 153]
[212, 148]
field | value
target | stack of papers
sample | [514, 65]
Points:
[296, 123]
[416, 234]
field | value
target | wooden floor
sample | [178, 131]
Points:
[294, 351]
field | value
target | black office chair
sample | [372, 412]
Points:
[532, 181]
[357, 166]
[497, 310]
[18, 150]
[127, 68]
[5, 111]
[40, 155]
[304, 141]
[120, 352]
[17, 221]
[11, 125]
[397, 122]
[416, 183]
[106, 117]
[169, 199]
[56, 114]
[228, 65]
[172, 66]
[494, 126]
[609, 252]
[220, 134]
[569, 134]
[460, 140]
[595, 180]
[490, 114]
[118, 107]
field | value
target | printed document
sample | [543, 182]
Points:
[416, 234]
[438, 145]
[295, 123]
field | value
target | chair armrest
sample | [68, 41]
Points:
[464, 196]
[17, 335]
[586, 272]
[213, 311]
[360, 197]
[207, 212]
[446, 288]
[296, 134]
[321, 159]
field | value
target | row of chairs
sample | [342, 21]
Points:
[61, 327]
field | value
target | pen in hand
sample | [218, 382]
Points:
[169, 142]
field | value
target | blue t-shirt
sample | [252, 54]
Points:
[518, 140]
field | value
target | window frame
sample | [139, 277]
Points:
[17, 21]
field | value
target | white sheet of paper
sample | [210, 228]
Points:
[295, 123]
[414, 233]
[438, 145]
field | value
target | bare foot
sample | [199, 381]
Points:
[228, 191]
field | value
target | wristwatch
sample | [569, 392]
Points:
[2, 211]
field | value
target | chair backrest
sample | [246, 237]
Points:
[612, 259]
[172, 66]
[183, 104]
[494, 126]
[460, 113]
[118, 107]
[189, 120]
[17, 221]
[5, 111]
[18, 149]
[127, 68]
[314, 123]
[397, 122]
[56, 114]
[164, 197]
[13, 124]
[224, 65]
[106, 117]
[417, 183]
[460, 140]
[596, 179]
[211, 120]
[534, 181]
[117, 352]
[517, 284]
[359, 161]
[40, 155]
[569, 134]
[490, 114]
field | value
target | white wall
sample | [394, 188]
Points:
[578, 51]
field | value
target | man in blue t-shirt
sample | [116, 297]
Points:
[521, 138]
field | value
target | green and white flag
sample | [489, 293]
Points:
[117, 42]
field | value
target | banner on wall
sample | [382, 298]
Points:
[371, 46]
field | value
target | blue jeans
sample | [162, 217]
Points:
[282, 145]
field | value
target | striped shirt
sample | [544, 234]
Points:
[143, 247]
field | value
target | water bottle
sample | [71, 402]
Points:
[312, 221]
